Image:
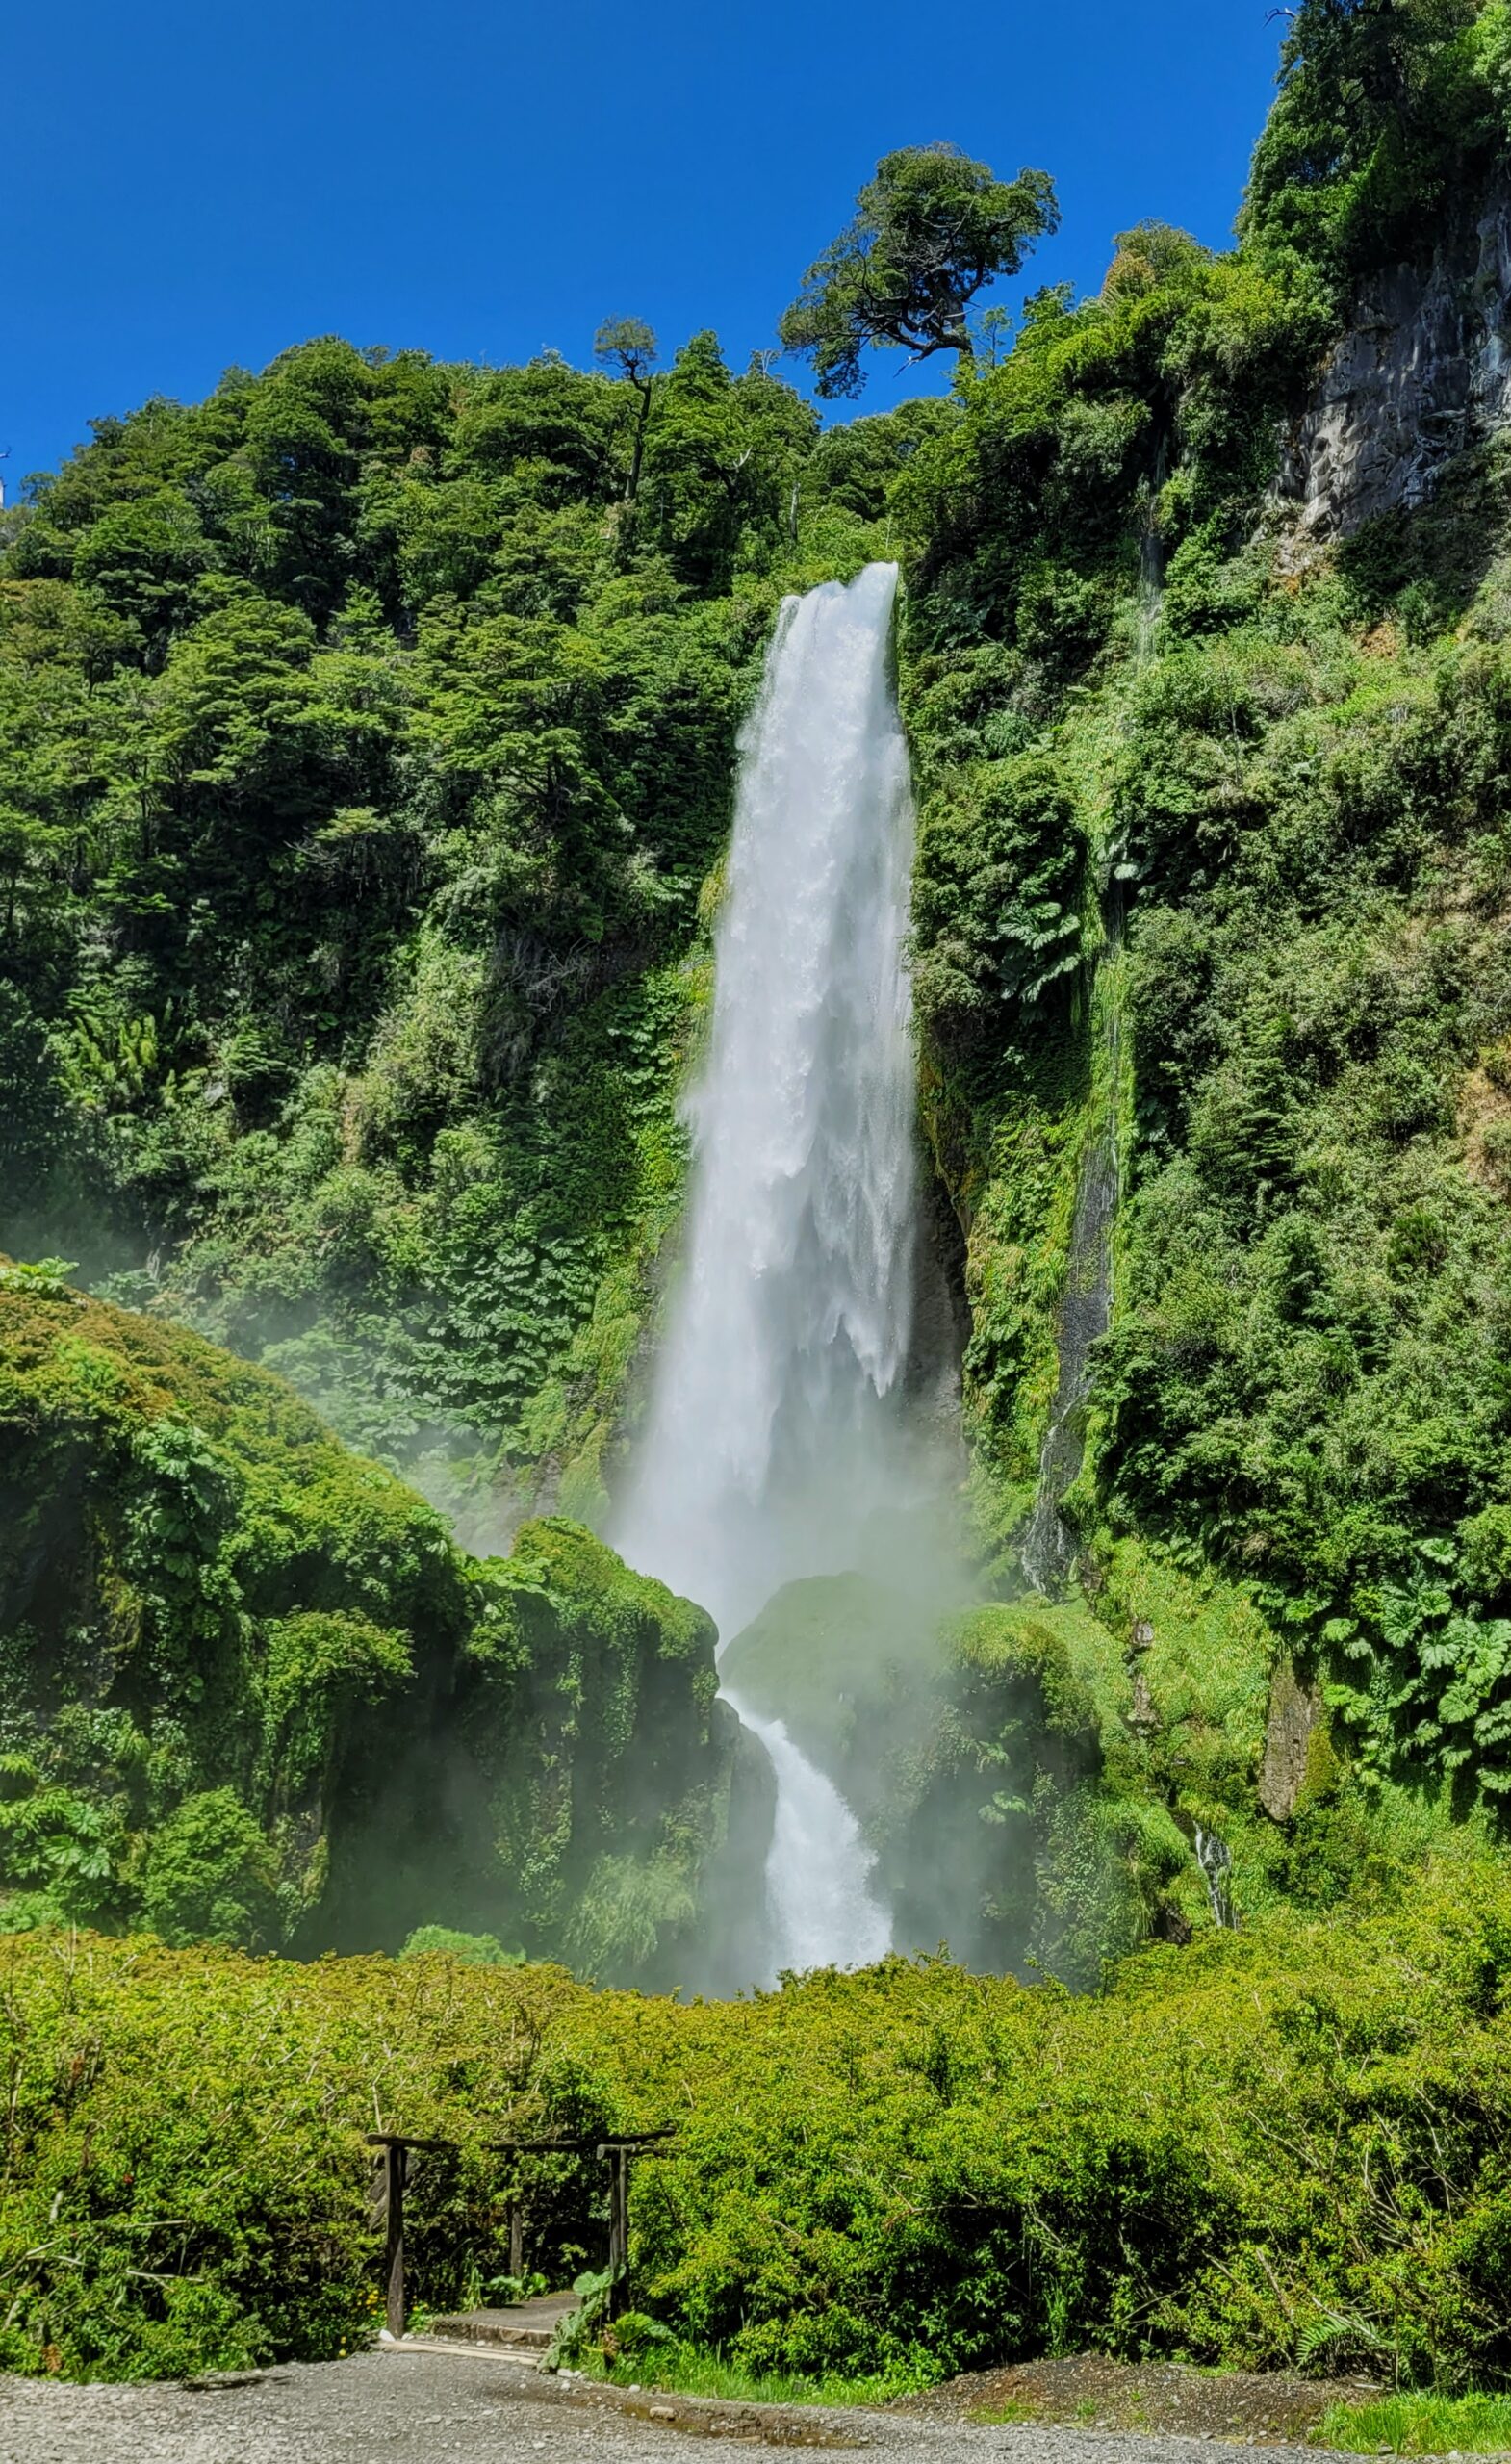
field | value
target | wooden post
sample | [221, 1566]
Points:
[398, 2155]
[618, 2226]
[516, 2238]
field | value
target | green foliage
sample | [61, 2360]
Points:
[1148, 415]
[1290, 786]
[367, 732]
[1318, 1254]
[646, 2354]
[1420, 2425]
[473, 1950]
[1277, 2148]
[210, 1876]
[997, 913]
[250, 1692]
[931, 229]
[1387, 118]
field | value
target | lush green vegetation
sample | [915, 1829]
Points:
[1421, 2425]
[1285, 2145]
[931, 230]
[639, 2350]
[368, 730]
[252, 1692]
[1389, 124]
[1126, 703]
[368, 735]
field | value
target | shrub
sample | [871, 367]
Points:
[1275, 2148]
[210, 1876]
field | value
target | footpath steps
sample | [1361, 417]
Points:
[521, 2331]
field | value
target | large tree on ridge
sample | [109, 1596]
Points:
[930, 231]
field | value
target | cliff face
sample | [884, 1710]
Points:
[1422, 370]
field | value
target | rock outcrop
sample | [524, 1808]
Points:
[1423, 371]
[1295, 1711]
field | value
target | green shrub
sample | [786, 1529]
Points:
[210, 1876]
[473, 1950]
[1278, 2148]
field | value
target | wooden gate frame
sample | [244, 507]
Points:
[618, 2152]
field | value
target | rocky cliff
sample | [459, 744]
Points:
[1422, 370]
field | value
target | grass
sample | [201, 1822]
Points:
[1420, 2425]
[680, 2370]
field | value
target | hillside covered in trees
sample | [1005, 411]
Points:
[369, 735]
[367, 741]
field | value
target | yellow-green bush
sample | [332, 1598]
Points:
[1288, 2146]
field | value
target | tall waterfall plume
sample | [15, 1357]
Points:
[774, 1448]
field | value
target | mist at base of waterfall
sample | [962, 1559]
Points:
[782, 1443]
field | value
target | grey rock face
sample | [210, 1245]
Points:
[1294, 1712]
[1423, 371]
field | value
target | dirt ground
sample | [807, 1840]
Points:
[413, 2405]
[1268, 2408]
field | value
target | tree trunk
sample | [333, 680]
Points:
[641, 425]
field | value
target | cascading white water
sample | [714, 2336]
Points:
[772, 1449]
[819, 1873]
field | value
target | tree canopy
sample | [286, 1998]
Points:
[628, 345]
[930, 231]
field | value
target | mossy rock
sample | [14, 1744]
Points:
[251, 1690]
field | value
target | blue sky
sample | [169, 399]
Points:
[185, 186]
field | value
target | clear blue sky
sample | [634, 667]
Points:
[187, 184]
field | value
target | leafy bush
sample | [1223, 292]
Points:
[210, 1876]
[1278, 2146]
[473, 1950]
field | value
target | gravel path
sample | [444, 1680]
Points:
[419, 2407]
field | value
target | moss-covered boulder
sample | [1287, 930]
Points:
[967, 1743]
[251, 1691]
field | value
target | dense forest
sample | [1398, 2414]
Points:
[367, 741]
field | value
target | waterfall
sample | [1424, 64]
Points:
[1216, 1859]
[774, 1448]
[1048, 1549]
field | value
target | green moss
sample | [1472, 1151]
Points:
[252, 1690]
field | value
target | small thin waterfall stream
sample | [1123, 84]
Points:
[1048, 1546]
[1047, 1549]
[773, 1444]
